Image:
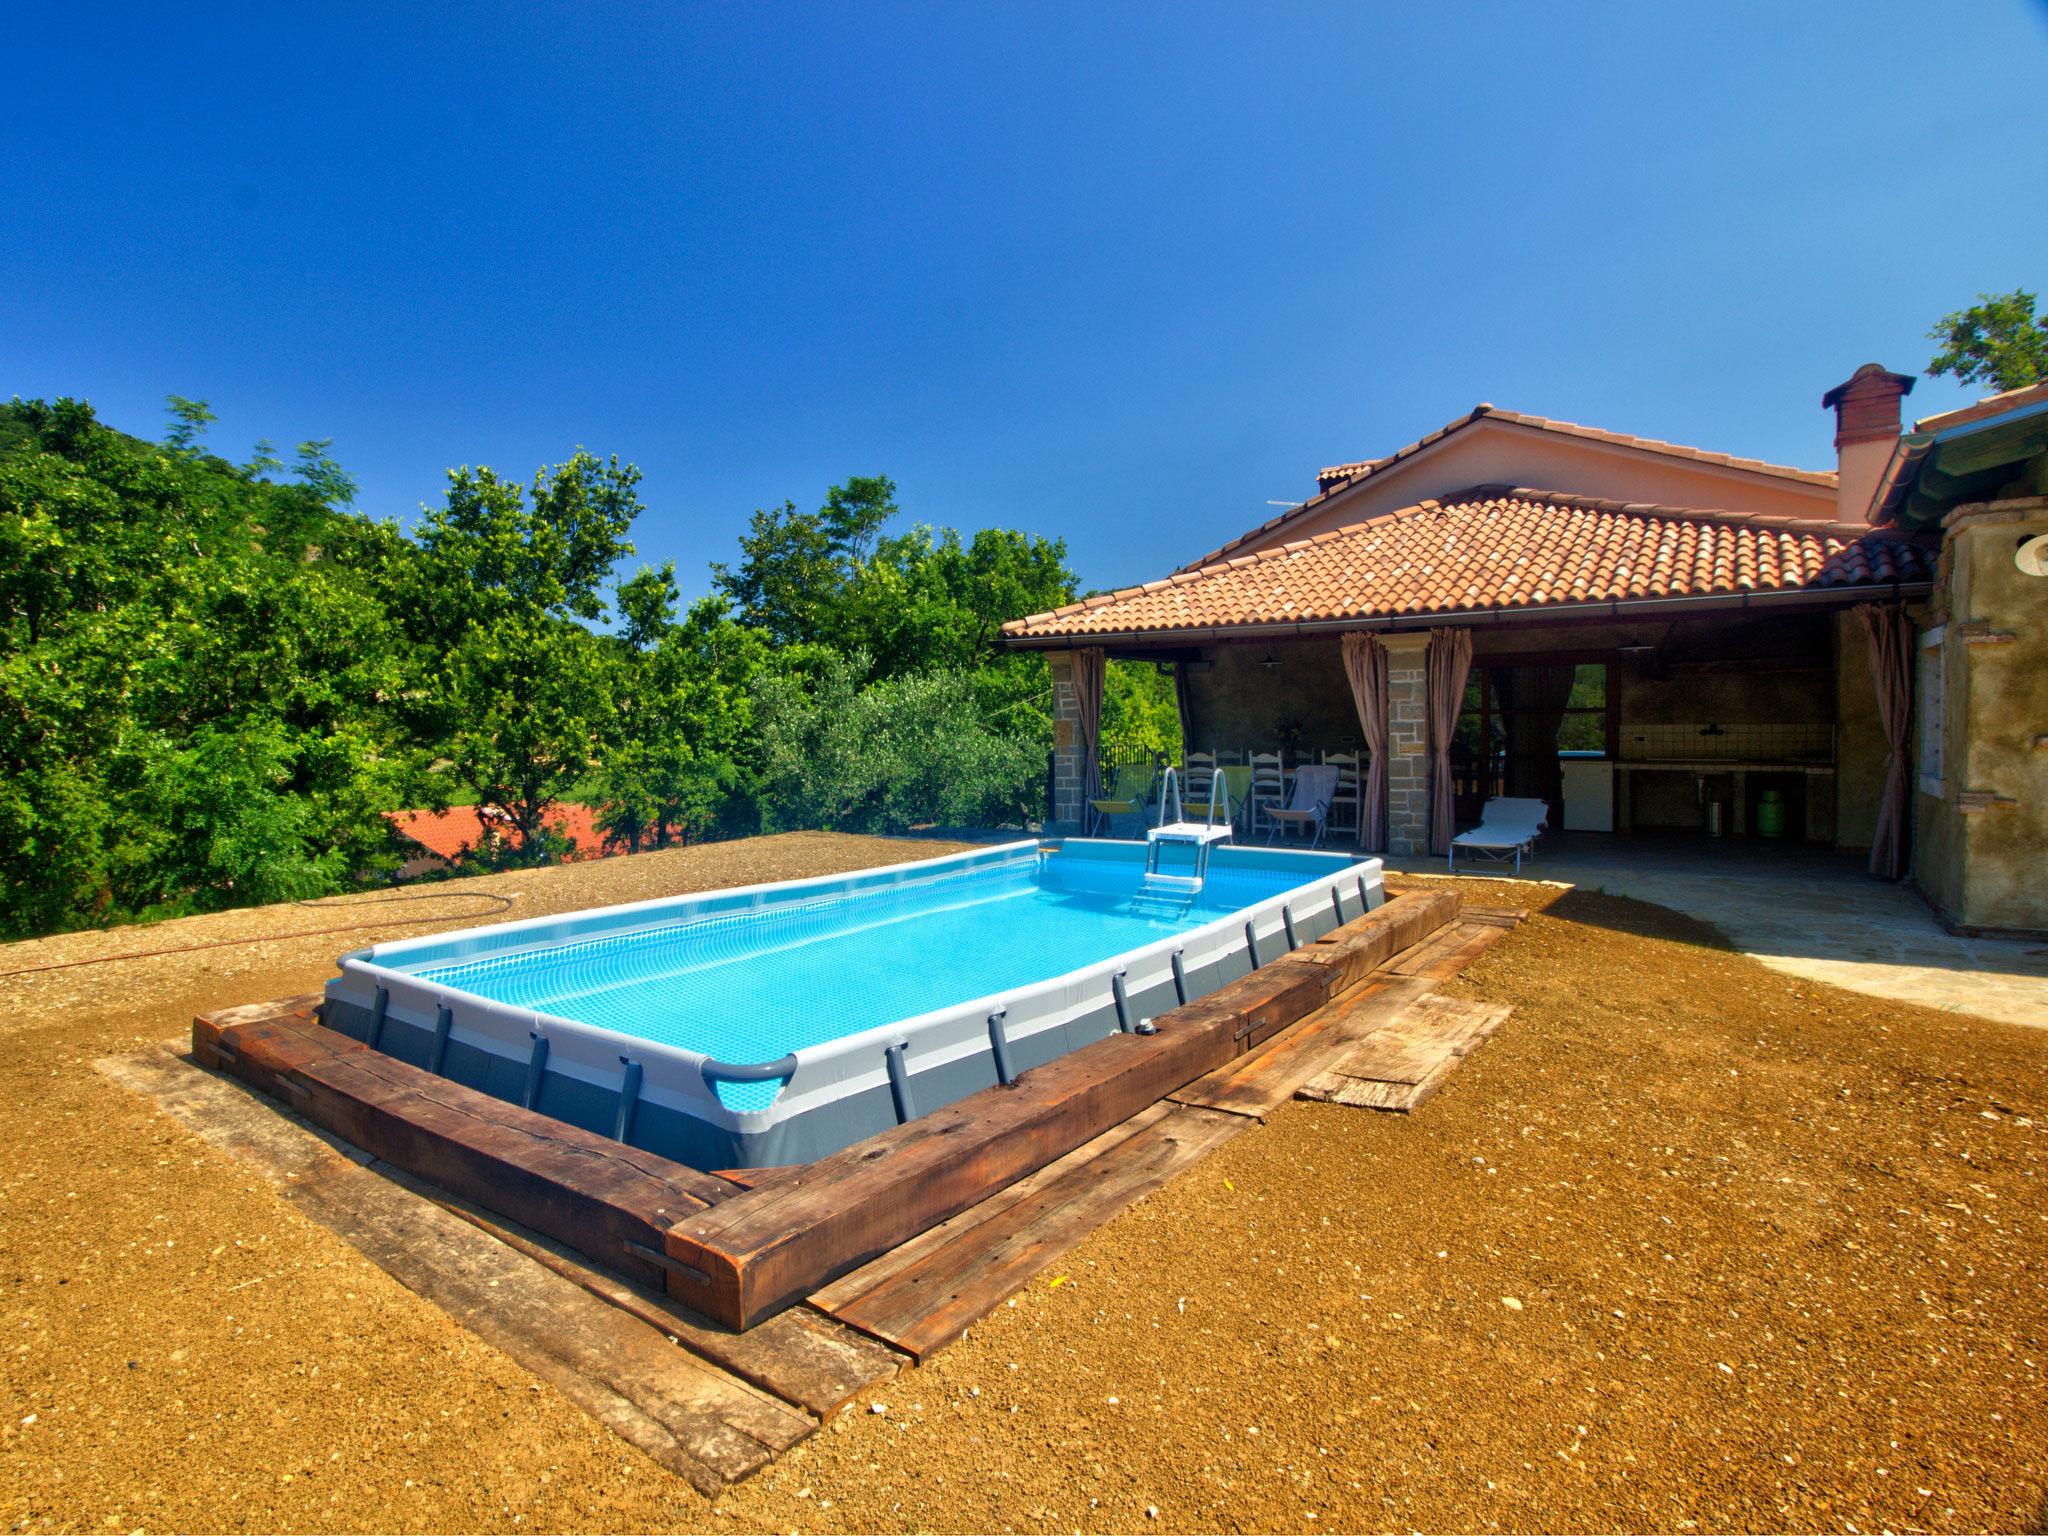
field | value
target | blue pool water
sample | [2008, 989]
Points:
[752, 985]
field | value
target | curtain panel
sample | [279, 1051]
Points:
[1185, 707]
[1090, 665]
[1450, 661]
[1891, 670]
[1365, 664]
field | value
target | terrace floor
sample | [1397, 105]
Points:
[1810, 912]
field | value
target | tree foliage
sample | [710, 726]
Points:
[888, 755]
[217, 680]
[1998, 341]
[517, 686]
[192, 671]
[684, 725]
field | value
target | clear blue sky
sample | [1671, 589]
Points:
[1115, 273]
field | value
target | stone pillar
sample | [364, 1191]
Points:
[1067, 777]
[1407, 744]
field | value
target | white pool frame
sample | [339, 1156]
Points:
[662, 1097]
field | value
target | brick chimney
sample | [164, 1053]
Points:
[1866, 407]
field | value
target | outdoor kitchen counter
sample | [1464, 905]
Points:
[1701, 767]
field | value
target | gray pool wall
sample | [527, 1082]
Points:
[660, 1098]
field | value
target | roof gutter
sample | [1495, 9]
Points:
[1615, 608]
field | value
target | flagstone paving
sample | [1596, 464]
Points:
[1806, 912]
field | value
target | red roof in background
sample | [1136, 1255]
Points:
[450, 833]
[1495, 549]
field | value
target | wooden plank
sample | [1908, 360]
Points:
[1500, 917]
[1417, 959]
[700, 1422]
[800, 1356]
[1257, 1085]
[584, 1190]
[925, 1307]
[1451, 951]
[857, 1283]
[1365, 944]
[766, 1248]
[1399, 1066]
[754, 1178]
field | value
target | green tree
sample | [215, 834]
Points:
[684, 715]
[887, 755]
[1997, 341]
[195, 677]
[520, 690]
[794, 565]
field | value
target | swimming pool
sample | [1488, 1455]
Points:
[775, 1024]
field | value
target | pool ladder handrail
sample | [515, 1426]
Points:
[1203, 834]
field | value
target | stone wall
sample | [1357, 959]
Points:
[1407, 744]
[1066, 747]
[1980, 844]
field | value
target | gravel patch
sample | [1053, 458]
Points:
[1688, 1244]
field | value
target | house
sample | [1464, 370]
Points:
[1650, 637]
[443, 837]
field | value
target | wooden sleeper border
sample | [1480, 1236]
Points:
[739, 1249]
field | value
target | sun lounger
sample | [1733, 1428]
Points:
[1508, 828]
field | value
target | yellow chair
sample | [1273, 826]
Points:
[1127, 797]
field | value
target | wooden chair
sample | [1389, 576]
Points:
[1196, 771]
[1350, 795]
[1269, 787]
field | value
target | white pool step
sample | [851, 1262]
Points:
[1180, 832]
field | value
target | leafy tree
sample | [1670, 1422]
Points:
[533, 703]
[886, 756]
[1997, 341]
[794, 565]
[1139, 708]
[193, 678]
[520, 690]
[684, 715]
[929, 599]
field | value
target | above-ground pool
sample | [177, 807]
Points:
[778, 1023]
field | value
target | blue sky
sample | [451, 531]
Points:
[1121, 274]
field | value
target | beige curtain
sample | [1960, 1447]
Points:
[1450, 659]
[1365, 664]
[1891, 670]
[1089, 667]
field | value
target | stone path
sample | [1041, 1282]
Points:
[1806, 912]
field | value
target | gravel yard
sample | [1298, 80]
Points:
[1688, 1244]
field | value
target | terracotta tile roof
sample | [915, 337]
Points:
[451, 833]
[1338, 477]
[1497, 549]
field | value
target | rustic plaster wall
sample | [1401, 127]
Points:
[1981, 845]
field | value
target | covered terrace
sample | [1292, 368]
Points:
[1644, 669]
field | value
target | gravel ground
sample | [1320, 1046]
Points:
[1688, 1244]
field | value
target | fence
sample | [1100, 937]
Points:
[1112, 756]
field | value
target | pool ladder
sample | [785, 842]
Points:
[1171, 895]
